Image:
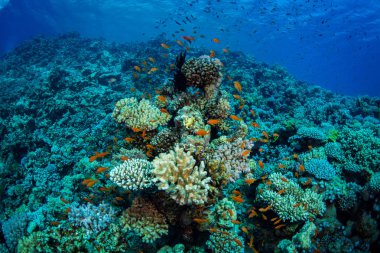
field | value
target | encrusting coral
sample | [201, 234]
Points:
[176, 173]
[141, 115]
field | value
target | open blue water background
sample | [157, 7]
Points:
[333, 44]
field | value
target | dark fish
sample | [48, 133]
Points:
[178, 23]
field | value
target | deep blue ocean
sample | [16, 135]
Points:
[331, 43]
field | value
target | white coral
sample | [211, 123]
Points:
[177, 174]
[134, 174]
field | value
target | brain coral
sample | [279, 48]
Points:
[177, 174]
[141, 115]
[134, 174]
[203, 72]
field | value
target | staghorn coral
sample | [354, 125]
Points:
[176, 172]
[133, 174]
[142, 115]
[203, 72]
[145, 220]
[295, 204]
[230, 159]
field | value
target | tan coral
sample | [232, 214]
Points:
[177, 174]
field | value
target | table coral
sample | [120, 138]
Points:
[176, 172]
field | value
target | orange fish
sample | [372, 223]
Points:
[265, 134]
[253, 213]
[148, 146]
[213, 230]
[302, 168]
[129, 139]
[54, 223]
[236, 192]
[101, 169]
[237, 199]
[237, 86]
[200, 220]
[135, 76]
[91, 183]
[297, 204]
[124, 158]
[235, 221]
[245, 152]
[283, 179]
[260, 150]
[261, 164]
[237, 97]
[87, 200]
[278, 221]
[276, 135]
[188, 38]
[64, 200]
[213, 121]
[234, 117]
[152, 70]
[225, 50]
[307, 182]
[86, 181]
[119, 199]
[230, 212]
[212, 53]
[164, 110]
[137, 68]
[281, 191]
[250, 181]
[216, 40]
[264, 216]
[263, 210]
[252, 112]
[151, 59]
[279, 226]
[295, 156]
[136, 129]
[166, 46]
[93, 158]
[244, 229]
[161, 98]
[238, 242]
[201, 132]
[281, 166]
[255, 125]
[310, 147]
[179, 43]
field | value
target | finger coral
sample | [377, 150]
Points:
[141, 115]
[176, 173]
[133, 174]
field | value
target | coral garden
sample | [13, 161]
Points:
[111, 147]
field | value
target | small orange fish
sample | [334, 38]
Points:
[264, 177]
[101, 169]
[253, 213]
[213, 230]
[86, 181]
[124, 158]
[236, 192]
[201, 132]
[283, 179]
[166, 46]
[245, 152]
[310, 147]
[149, 153]
[104, 189]
[261, 164]
[64, 200]
[281, 166]
[129, 139]
[137, 68]
[250, 181]
[297, 204]
[281, 191]
[264, 216]
[278, 221]
[135, 76]
[252, 112]
[162, 98]
[216, 40]
[213, 121]
[307, 182]
[255, 125]
[237, 199]
[148, 146]
[302, 168]
[93, 158]
[54, 223]
[87, 199]
[234, 117]
[279, 226]
[244, 229]
[238, 242]
[295, 156]
[265, 134]
[268, 182]
[230, 212]
[179, 43]
[67, 210]
[164, 110]
[251, 242]
[152, 70]
[200, 220]
[91, 183]
[237, 86]
[276, 135]
[264, 140]
[263, 210]
[235, 221]
[237, 97]
[225, 50]
[273, 219]
[119, 199]
[136, 129]
[151, 59]
[212, 53]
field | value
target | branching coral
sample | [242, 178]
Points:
[176, 172]
[142, 115]
[134, 174]
[203, 72]
[145, 220]
[320, 168]
[295, 204]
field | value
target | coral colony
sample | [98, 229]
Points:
[225, 155]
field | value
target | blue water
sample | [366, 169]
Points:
[333, 44]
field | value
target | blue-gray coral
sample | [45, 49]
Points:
[320, 168]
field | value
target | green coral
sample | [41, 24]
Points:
[225, 241]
